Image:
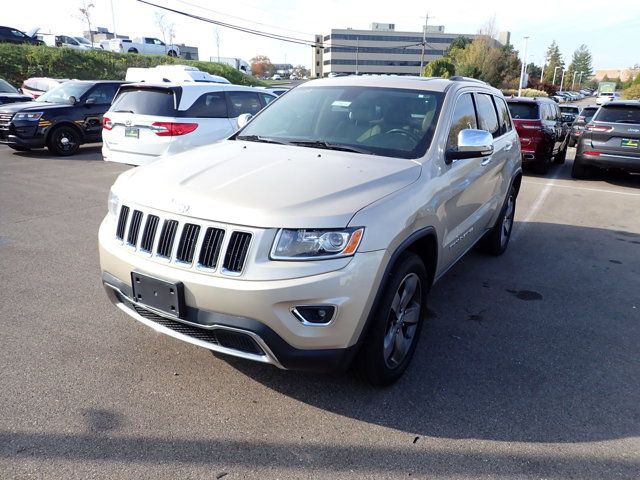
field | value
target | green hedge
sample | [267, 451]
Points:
[19, 62]
[526, 92]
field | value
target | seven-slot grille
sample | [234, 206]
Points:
[5, 118]
[196, 244]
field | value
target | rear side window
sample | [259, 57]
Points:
[487, 114]
[243, 102]
[102, 94]
[464, 118]
[619, 114]
[524, 111]
[145, 101]
[503, 115]
[267, 99]
[209, 105]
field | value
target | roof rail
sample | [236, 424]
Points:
[459, 78]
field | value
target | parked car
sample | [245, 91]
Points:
[13, 35]
[87, 43]
[144, 46]
[36, 86]
[572, 111]
[10, 94]
[149, 121]
[276, 77]
[61, 119]
[605, 97]
[577, 128]
[172, 74]
[313, 235]
[611, 140]
[543, 131]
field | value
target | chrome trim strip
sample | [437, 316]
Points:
[269, 357]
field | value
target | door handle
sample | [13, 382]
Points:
[509, 146]
[486, 161]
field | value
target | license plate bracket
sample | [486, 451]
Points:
[131, 132]
[167, 297]
[629, 142]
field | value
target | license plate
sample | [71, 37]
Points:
[132, 132]
[164, 296]
[629, 142]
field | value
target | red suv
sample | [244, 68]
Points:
[543, 130]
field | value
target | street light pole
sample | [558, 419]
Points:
[562, 79]
[580, 80]
[357, 51]
[524, 63]
[554, 74]
[424, 44]
[574, 79]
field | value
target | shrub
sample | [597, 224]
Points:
[632, 93]
[440, 68]
[19, 62]
[526, 92]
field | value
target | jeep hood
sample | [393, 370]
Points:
[266, 185]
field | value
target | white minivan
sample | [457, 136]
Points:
[148, 121]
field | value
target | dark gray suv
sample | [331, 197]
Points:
[610, 140]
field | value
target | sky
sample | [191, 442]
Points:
[612, 34]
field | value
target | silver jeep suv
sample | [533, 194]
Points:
[311, 237]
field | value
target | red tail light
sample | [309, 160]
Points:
[598, 128]
[107, 124]
[170, 129]
[593, 154]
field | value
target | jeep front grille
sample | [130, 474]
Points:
[198, 246]
[5, 118]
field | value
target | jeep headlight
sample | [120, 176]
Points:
[316, 244]
[112, 204]
[31, 116]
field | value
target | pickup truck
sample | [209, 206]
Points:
[143, 45]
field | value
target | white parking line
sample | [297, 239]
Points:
[603, 190]
[536, 205]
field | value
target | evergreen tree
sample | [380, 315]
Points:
[580, 62]
[554, 59]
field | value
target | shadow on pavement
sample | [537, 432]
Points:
[90, 152]
[520, 348]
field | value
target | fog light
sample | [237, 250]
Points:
[314, 314]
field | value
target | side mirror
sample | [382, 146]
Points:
[472, 143]
[243, 119]
[73, 100]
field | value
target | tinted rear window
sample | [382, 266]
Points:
[524, 111]
[619, 114]
[587, 113]
[145, 101]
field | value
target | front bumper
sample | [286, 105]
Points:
[258, 309]
[29, 136]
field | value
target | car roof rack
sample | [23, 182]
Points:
[459, 78]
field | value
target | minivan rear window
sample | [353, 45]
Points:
[619, 114]
[524, 111]
[145, 101]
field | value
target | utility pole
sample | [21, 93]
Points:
[424, 43]
[542, 72]
[562, 79]
[524, 63]
[554, 74]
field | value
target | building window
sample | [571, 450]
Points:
[318, 64]
[317, 51]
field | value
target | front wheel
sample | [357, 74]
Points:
[496, 240]
[172, 53]
[64, 141]
[579, 170]
[393, 336]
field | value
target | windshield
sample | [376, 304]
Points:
[5, 87]
[83, 40]
[381, 121]
[62, 93]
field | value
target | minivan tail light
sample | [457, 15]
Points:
[598, 128]
[171, 129]
[107, 124]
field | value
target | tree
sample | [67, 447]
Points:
[534, 71]
[261, 66]
[167, 28]
[460, 43]
[554, 59]
[300, 71]
[580, 62]
[440, 68]
[85, 15]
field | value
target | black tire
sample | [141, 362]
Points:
[393, 335]
[19, 149]
[132, 50]
[64, 140]
[172, 53]
[572, 142]
[496, 240]
[561, 156]
[542, 168]
[579, 170]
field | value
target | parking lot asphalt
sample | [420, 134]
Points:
[529, 366]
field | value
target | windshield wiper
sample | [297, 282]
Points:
[123, 111]
[258, 138]
[331, 146]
